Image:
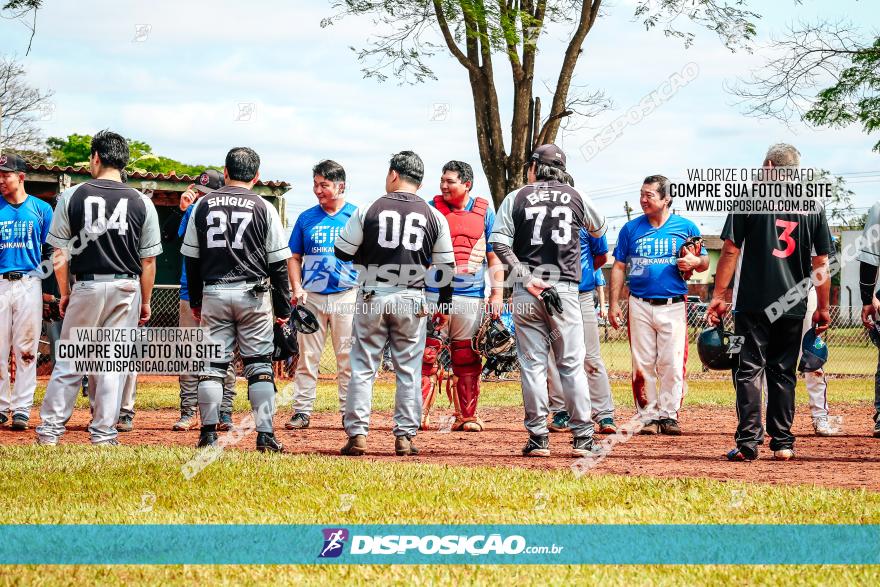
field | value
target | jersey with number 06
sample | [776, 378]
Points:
[776, 253]
[108, 225]
[541, 222]
[402, 235]
[236, 234]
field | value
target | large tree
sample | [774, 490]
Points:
[825, 74]
[474, 32]
[21, 107]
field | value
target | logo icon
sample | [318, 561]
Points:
[204, 179]
[334, 541]
[3, 159]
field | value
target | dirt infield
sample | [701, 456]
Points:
[850, 460]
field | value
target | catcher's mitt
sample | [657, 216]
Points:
[497, 344]
[692, 245]
[52, 311]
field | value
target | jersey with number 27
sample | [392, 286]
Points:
[775, 256]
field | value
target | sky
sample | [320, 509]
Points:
[194, 79]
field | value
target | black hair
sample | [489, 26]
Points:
[464, 170]
[544, 172]
[408, 165]
[661, 180]
[112, 149]
[329, 169]
[242, 164]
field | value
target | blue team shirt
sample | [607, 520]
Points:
[181, 231]
[314, 237]
[470, 285]
[650, 254]
[591, 247]
[23, 230]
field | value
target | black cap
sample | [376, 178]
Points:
[208, 181]
[549, 154]
[12, 163]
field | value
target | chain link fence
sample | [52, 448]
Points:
[850, 350]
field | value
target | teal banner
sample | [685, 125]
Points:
[440, 544]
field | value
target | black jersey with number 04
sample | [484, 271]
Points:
[544, 221]
[238, 235]
[111, 216]
[776, 253]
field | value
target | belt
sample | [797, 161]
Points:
[252, 280]
[661, 301]
[13, 275]
[103, 276]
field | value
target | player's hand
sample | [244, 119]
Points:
[615, 316]
[62, 304]
[187, 198]
[281, 321]
[535, 286]
[495, 305]
[821, 320]
[146, 312]
[870, 312]
[197, 314]
[439, 320]
[688, 262]
[299, 296]
[716, 311]
[603, 313]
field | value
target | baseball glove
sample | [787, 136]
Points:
[52, 311]
[692, 245]
[874, 334]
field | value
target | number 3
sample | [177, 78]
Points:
[788, 227]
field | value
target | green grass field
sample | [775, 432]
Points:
[79, 484]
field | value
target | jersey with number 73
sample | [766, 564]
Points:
[541, 222]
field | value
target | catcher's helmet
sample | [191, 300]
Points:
[303, 320]
[285, 342]
[814, 352]
[497, 344]
[715, 349]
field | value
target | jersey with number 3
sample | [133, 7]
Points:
[236, 234]
[776, 253]
[401, 235]
[541, 223]
[108, 226]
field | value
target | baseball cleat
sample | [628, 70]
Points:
[404, 447]
[298, 421]
[125, 424]
[737, 455]
[559, 423]
[46, 441]
[582, 446]
[670, 427]
[652, 427]
[356, 446]
[186, 422]
[112, 442]
[225, 424]
[3, 419]
[822, 428]
[266, 442]
[607, 426]
[19, 422]
[783, 454]
[206, 439]
[473, 426]
[537, 446]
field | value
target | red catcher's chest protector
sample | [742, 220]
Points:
[468, 231]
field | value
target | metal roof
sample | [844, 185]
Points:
[137, 175]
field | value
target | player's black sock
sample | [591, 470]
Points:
[209, 428]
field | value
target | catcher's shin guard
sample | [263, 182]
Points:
[429, 377]
[466, 366]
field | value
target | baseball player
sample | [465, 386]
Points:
[174, 231]
[24, 225]
[594, 254]
[536, 235]
[470, 222]
[869, 259]
[779, 252]
[236, 271]
[394, 239]
[112, 232]
[648, 250]
[323, 284]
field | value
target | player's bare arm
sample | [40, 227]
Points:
[723, 277]
[615, 314]
[496, 282]
[59, 262]
[822, 281]
[294, 269]
[148, 278]
[870, 303]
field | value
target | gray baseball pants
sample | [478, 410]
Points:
[189, 383]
